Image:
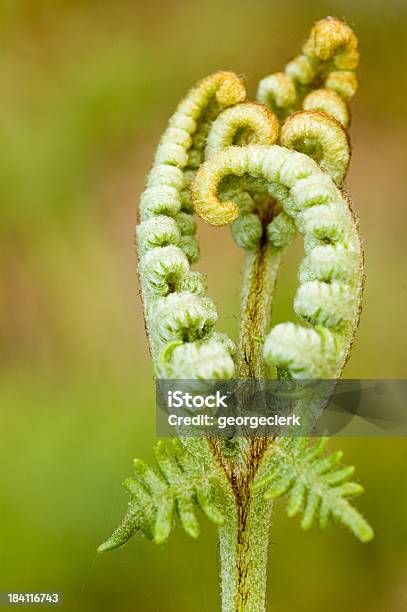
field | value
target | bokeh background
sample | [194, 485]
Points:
[86, 90]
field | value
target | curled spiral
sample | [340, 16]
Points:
[242, 124]
[250, 121]
[179, 318]
[322, 81]
[332, 40]
[320, 136]
[328, 102]
[329, 293]
[267, 193]
[277, 92]
[329, 58]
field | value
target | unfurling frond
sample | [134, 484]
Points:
[179, 485]
[243, 124]
[316, 485]
[270, 170]
[320, 136]
[174, 304]
[329, 294]
[277, 92]
[330, 56]
[330, 103]
[250, 122]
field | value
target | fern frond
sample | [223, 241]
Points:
[317, 486]
[178, 485]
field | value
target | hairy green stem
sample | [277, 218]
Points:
[260, 274]
[243, 552]
[244, 537]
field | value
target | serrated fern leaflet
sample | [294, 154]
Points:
[180, 484]
[316, 485]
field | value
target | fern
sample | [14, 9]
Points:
[180, 483]
[317, 486]
[271, 170]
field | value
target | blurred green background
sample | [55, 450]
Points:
[87, 88]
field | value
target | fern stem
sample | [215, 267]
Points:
[260, 273]
[244, 538]
[243, 552]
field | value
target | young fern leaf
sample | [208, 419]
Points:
[329, 293]
[330, 55]
[243, 124]
[219, 157]
[316, 485]
[180, 484]
[322, 137]
[179, 319]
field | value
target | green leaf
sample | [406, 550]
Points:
[180, 483]
[316, 485]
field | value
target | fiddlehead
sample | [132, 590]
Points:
[330, 302]
[277, 92]
[268, 192]
[320, 136]
[328, 102]
[316, 485]
[243, 124]
[175, 308]
[248, 122]
[329, 59]
[179, 318]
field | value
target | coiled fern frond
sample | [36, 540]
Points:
[329, 58]
[178, 316]
[270, 169]
[320, 81]
[329, 295]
